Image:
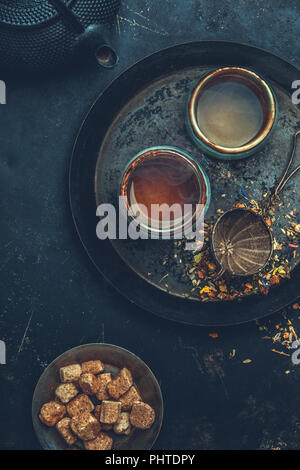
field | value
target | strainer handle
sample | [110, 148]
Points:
[285, 179]
[219, 273]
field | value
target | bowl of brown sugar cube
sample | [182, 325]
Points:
[97, 397]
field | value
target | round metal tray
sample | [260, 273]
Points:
[143, 107]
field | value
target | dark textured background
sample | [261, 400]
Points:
[53, 299]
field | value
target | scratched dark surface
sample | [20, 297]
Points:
[53, 299]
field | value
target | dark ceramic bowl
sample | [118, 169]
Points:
[114, 359]
[265, 96]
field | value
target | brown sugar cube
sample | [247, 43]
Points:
[65, 392]
[120, 384]
[79, 405]
[102, 442]
[97, 412]
[103, 380]
[106, 427]
[110, 411]
[142, 415]
[89, 383]
[85, 426]
[52, 412]
[64, 429]
[123, 425]
[70, 373]
[129, 397]
[92, 367]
